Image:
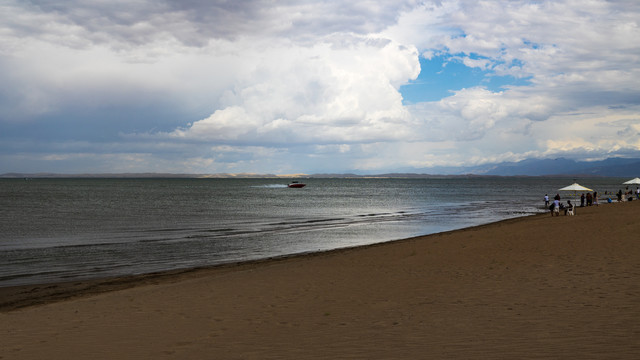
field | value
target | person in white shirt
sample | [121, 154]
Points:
[556, 208]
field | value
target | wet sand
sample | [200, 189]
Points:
[530, 288]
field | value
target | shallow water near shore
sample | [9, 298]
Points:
[70, 229]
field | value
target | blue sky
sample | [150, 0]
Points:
[314, 86]
[442, 75]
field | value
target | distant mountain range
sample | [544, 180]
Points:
[613, 167]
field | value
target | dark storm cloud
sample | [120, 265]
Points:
[194, 22]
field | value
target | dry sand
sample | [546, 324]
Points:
[532, 288]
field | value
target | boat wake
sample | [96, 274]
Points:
[270, 186]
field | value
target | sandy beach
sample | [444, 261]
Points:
[539, 287]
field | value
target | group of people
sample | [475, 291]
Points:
[557, 206]
[589, 199]
[628, 194]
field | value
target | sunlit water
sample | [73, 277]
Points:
[69, 229]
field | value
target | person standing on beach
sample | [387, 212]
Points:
[546, 200]
[595, 198]
[555, 208]
[589, 199]
[582, 200]
[638, 192]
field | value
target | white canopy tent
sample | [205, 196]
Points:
[576, 188]
[635, 181]
[632, 181]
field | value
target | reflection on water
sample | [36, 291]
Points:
[57, 229]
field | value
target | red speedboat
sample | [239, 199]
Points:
[295, 184]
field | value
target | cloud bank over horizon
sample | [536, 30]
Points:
[314, 86]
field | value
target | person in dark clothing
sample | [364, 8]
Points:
[569, 209]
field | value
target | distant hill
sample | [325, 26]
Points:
[136, 175]
[613, 167]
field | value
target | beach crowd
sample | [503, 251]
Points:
[589, 199]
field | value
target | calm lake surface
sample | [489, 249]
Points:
[69, 229]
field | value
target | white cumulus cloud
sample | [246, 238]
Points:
[312, 86]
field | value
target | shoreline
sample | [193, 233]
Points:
[20, 296]
[529, 287]
[105, 242]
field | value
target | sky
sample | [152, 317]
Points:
[287, 87]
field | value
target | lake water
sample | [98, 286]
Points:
[70, 229]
